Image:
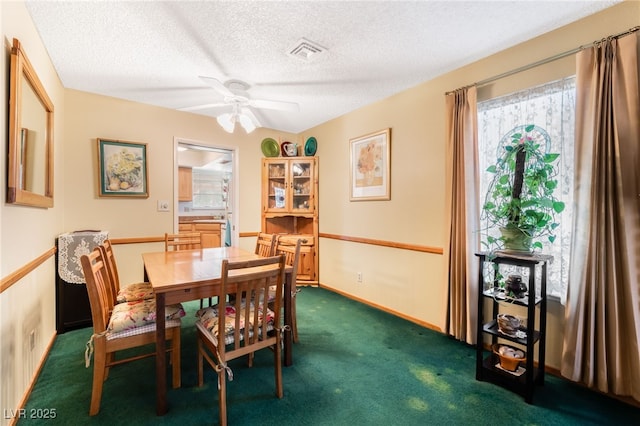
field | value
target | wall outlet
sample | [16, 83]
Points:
[359, 277]
[163, 206]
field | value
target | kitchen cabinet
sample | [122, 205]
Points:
[209, 232]
[533, 268]
[290, 207]
[185, 184]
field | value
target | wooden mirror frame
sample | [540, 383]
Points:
[22, 73]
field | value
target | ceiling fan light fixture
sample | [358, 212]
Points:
[227, 121]
[247, 124]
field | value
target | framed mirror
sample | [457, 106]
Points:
[30, 168]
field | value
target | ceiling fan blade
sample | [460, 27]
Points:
[247, 111]
[204, 106]
[277, 105]
[217, 85]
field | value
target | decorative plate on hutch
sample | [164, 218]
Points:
[270, 147]
[310, 147]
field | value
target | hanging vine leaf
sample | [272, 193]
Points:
[520, 196]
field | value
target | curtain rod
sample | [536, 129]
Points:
[546, 60]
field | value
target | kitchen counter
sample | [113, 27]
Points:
[200, 219]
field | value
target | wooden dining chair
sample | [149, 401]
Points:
[129, 293]
[122, 326]
[244, 325]
[265, 244]
[182, 241]
[291, 254]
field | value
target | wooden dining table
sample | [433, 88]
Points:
[181, 276]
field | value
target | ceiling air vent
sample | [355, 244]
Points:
[305, 49]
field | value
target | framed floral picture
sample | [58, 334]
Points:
[371, 166]
[122, 169]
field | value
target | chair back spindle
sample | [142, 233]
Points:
[99, 285]
[291, 253]
[265, 244]
[182, 241]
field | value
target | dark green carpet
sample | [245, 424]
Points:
[354, 365]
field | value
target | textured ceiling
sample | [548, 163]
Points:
[153, 52]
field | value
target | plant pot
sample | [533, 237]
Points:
[516, 239]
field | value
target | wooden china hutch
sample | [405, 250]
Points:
[290, 207]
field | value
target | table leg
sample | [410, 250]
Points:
[161, 357]
[288, 335]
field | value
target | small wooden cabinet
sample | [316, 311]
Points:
[185, 184]
[290, 207]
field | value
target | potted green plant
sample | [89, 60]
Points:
[520, 201]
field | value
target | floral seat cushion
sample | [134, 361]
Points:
[272, 293]
[129, 315]
[133, 292]
[208, 319]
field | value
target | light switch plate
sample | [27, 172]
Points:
[163, 206]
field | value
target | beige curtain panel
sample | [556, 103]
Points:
[463, 222]
[602, 335]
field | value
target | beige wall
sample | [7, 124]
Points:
[409, 282]
[405, 281]
[26, 233]
[90, 116]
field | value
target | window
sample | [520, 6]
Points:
[210, 188]
[552, 107]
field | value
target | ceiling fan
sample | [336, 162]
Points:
[236, 96]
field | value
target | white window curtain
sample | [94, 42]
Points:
[552, 107]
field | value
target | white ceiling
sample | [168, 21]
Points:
[153, 52]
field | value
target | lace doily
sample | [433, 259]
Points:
[71, 246]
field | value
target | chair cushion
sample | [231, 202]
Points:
[272, 293]
[208, 318]
[129, 315]
[137, 291]
[143, 329]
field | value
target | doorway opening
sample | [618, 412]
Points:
[213, 176]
